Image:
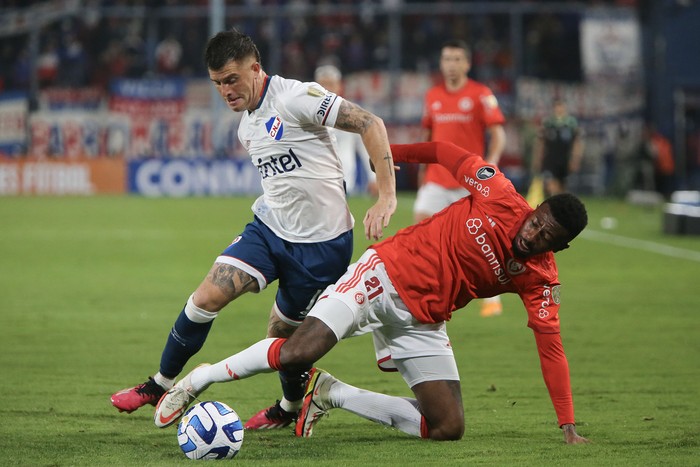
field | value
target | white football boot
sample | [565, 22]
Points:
[316, 402]
[173, 404]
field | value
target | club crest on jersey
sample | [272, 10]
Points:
[485, 172]
[275, 128]
[556, 294]
[514, 267]
[465, 104]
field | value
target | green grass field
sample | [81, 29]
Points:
[91, 286]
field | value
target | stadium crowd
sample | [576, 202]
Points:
[116, 39]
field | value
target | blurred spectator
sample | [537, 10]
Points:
[135, 50]
[168, 55]
[664, 164]
[625, 152]
[351, 149]
[643, 178]
[73, 69]
[47, 63]
[114, 63]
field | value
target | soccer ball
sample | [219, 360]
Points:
[210, 430]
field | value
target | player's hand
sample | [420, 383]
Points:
[378, 217]
[570, 435]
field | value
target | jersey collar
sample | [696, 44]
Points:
[263, 92]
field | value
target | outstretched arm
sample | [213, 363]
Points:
[555, 370]
[446, 154]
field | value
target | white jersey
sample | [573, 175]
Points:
[288, 139]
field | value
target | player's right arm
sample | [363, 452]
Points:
[469, 169]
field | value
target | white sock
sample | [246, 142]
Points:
[399, 412]
[245, 363]
[289, 406]
[165, 383]
[196, 314]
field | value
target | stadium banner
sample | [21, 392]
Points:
[56, 178]
[60, 99]
[148, 98]
[611, 46]
[193, 177]
[14, 111]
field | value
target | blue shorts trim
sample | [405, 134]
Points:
[303, 269]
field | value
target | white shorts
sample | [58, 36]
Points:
[364, 300]
[432, 198]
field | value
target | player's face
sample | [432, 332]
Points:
[559, 110]
[539, 233]
[239, 83]
[454, 63]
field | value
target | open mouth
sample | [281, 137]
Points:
[521, 245]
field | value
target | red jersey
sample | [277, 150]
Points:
[465, 252]
[461, 118]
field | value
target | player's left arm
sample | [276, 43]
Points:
[351, 117]
[493, 119]
[543, 311]
[497, 143]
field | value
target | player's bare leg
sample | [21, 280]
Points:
[223, 284]
[284, 411]
[440, 403]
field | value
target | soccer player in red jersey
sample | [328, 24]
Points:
[461, 111]
[406, 287]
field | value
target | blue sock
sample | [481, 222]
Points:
[185, 339]
[293, 384]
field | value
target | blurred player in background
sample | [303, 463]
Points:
[558, 150]
[349, 145]
[301, 232]
[406, 287]
[459, 110]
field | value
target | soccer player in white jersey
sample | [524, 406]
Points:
[301, 232]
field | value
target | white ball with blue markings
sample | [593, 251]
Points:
[210, 430]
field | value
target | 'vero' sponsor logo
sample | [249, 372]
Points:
[478, 186]
[474, 226]
[549, 295]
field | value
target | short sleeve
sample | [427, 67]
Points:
[310, 103]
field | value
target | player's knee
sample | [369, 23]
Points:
[447, 428]
[448, 431]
